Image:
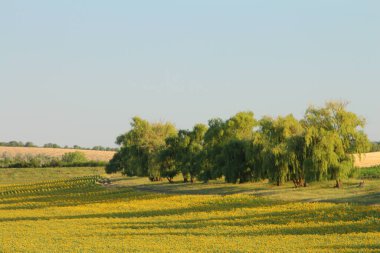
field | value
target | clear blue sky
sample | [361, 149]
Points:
[75, 72]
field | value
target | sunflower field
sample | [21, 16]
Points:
[80, 215]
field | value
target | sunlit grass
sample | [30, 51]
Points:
[31, 175]
[79, 215]
[317, 191]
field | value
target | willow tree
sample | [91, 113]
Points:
[333, 135]
[181, 153]
[193, 157]
[236, 167]
[173, 157]
[214, 139]
[225, 147]
[279, 161]
[240, 126]
[166, 159]
[140, 147]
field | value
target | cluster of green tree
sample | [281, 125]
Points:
[104, 148]
[242, 149]
[101, 148]
[52, 145]
[17, 144]
[71, 159]
[375, 147]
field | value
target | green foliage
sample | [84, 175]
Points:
[17, 144]
[74, 158]
[281, 142]
[101, 148]
[242, 149]
[30, 144]
[240, 126]
[218, 141]
[332, 136]
[375, 147]
[51, 145]
[166, 158]
[43, 161]
[369, 173]
[117, 162]
[187, 148]
[235, 165]
[140, 147]
[26, 161]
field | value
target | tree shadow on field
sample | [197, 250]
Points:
[254, 230]
[352, 248]
[72, 197]
[187, 189]
[258, 217]
[206, 207]
[372, 198]
[200, 188]
[265, 223]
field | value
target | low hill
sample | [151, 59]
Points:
[95, 155]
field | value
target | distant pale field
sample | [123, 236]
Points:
[367, 160]
[95, 155]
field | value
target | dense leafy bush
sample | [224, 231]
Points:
[368, 173]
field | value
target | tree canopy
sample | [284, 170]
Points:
[319, 146]
[140, 146]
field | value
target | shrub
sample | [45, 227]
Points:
[74, 158]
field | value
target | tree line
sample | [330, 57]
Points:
[52, 145]
[375, 147]
[70, 159]
[242, 149]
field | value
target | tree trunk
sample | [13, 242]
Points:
[185, 180]
[339, 184]
[295, 183]
[299, 182]
[170, 179]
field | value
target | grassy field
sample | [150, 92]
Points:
[33, 175]
[95, 155]
[370, 172]
[66, 210]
